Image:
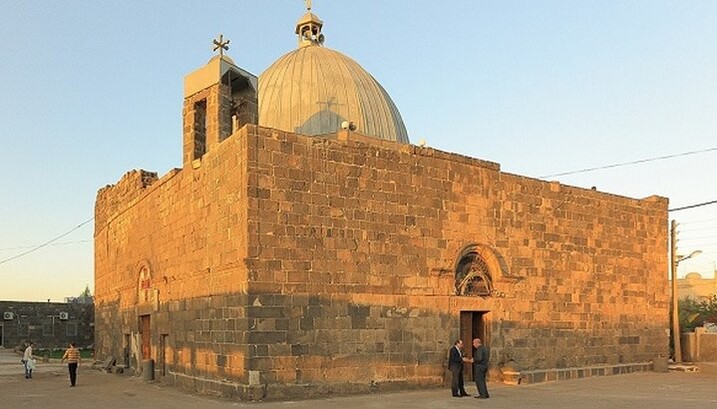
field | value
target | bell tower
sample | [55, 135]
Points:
[219, 98]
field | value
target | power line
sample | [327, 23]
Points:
[698, 237]
[697, 221]
[697, 229]
[64, 243]
[635, 162]
[692, 206]
[47, 243]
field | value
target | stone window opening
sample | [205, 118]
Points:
[309, 32]
[242, 107]
[200, 129]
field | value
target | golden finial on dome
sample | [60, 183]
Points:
[308, 4]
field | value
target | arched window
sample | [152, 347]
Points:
[473, 277]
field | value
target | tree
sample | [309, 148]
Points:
[708, 310]
[86, 293]
[689, 314]
[85, 297]
[694, 314]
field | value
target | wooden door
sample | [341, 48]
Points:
[473, 325]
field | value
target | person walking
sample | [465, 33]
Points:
[72, 355]
[455, 365]
[28, 360]
[480, 367]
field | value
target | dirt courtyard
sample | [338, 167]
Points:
[50, 389]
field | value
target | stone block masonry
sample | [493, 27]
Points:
[284, 266]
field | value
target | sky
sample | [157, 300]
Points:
[93, 89]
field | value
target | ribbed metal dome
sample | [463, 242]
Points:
[313, 90]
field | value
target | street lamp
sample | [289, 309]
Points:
[676, 259]
[693, 254]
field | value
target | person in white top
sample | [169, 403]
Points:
[28, 360]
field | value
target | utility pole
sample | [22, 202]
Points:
[675, 311]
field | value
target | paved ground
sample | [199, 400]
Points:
[50, 389]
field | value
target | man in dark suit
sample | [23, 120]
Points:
[480, 367]
[455, 365]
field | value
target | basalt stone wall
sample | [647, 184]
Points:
[170, 277]
[46, 324]
[357, 242]
[282, 266]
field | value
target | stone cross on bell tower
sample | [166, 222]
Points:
[221, 44]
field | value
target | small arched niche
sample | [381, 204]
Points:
[145, 291]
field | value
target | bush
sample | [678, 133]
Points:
[694, 314]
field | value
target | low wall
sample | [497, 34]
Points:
[562, 374]
[699, 346]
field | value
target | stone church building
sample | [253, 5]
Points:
[306, 248]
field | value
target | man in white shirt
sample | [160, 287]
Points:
[26, 357]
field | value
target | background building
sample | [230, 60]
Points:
[48, 325]
[695, 287]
